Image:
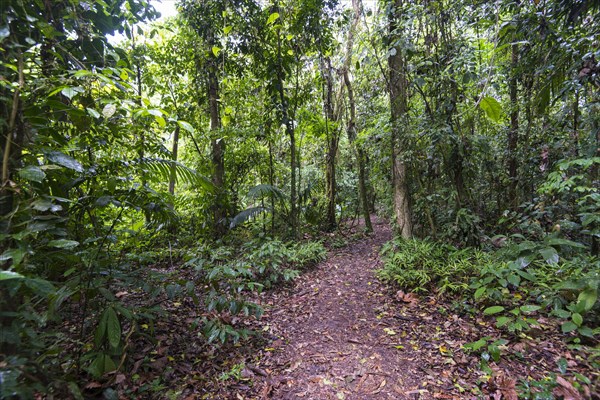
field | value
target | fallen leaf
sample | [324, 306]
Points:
[566, 390]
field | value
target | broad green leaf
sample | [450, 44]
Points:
[6, 275]
[187, 126]
[109, 110]
[476, 345]
[588, 297]
[113, 328]
[529, 308]
[13, 254]
[501, 321]
[577, 319]
[32, 173]
[568, 327]
[493, 310]
[216, 50]
[586, 331]
[272, 18]
[63, 244]
[64, 160]
[480, 292]
[562, 313]
[93, 113]
[101, 329]
[492, 108]
[227, 29]
[514, 279]
[550, 255]
[70, 92]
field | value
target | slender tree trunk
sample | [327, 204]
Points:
[398, 106]
[289, 128]
[173, 176]
[360, 155]
[332, 143]
[513, 132]
[217, 151]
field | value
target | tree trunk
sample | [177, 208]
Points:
[332, 144]
[360, 155]
[218, 153]
[398, 107]
[513, 132]
[289, 128]
[173, 176]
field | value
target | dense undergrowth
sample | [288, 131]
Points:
[89, 324]
[514, 286]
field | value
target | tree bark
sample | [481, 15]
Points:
[217, 152]
[332, 144]
[289, 128]
[398, 89]
[513, 132]
[173, 176]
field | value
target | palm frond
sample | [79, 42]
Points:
[263, 190]
[163, 168]
[246, 214]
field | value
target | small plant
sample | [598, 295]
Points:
[489, 349]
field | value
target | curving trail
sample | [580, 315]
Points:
[335, 340]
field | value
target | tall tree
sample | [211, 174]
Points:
[398, 91]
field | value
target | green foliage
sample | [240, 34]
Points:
[231, 276]
[424, 266]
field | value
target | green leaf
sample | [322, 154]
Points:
[93, 113]
[514, 279]
[494, 352]
[586, 331]
[272, 18]
[63, 244]
[501, 321]
[64, 160]
[476, 345]
[187, 126]
[6, 275]
[550, 255]
[15, 254]
[529, 308]
[561, 313]
[70, 92]
[577, 319]
[216, 50]
[588, 297]
[480, 292]
[32, 173]
[568, 327]
[493, 310]
[109, 110]
[492, 108]
[113, 328]
[227, 29]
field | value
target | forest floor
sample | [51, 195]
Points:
[339, 333]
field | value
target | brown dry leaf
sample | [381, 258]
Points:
[381, 386]
[120, 378]
[93, 385]
[409, 298]
[566, 390]
[505, 387]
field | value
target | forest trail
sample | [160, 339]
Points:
[336, 339]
